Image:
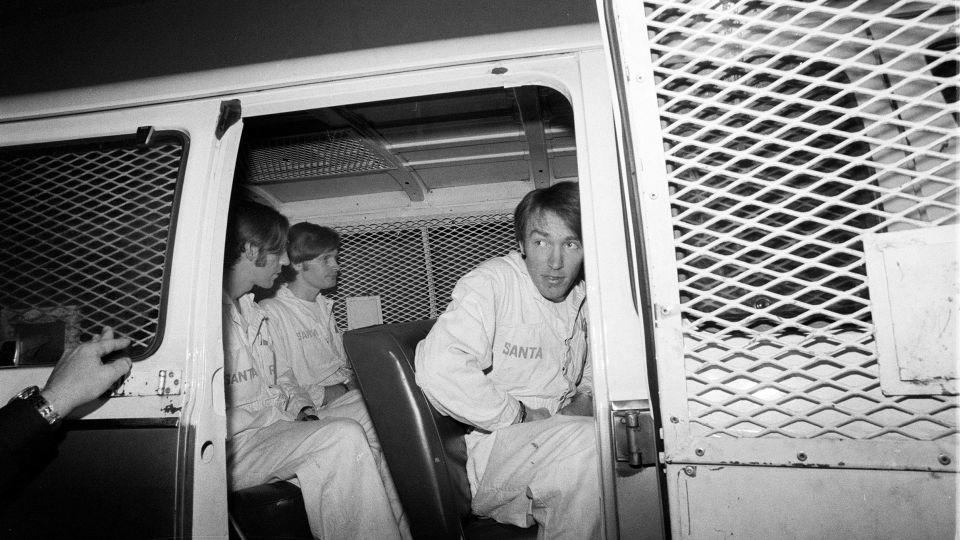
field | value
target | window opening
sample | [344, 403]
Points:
[464, 140]
[86, 233]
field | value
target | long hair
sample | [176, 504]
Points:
[562, 198]
[257, 224]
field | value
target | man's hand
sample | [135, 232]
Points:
[580, 405]
[80, 376]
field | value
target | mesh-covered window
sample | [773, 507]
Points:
[791, 129]
[414, 265]
[86, 232]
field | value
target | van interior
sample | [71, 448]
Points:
[463, 142]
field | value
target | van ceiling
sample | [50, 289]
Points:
[413, 145]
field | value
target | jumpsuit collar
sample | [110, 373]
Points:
[285, 292]
[250, 317]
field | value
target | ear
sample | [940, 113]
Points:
[250, 252]
[298, 266]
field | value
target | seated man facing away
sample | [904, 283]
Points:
[509, 357]
[305, 338]
[269, 436]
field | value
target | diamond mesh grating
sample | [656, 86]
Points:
[85, 229]
[332, 153]
[791, 128]
[414, 265]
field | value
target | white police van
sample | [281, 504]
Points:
[769, 194]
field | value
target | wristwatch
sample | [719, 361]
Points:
[31, 395]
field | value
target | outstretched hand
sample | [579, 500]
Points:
[81, 376]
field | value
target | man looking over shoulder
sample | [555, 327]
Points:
[342, 491]
[306, 341]
[509, 357]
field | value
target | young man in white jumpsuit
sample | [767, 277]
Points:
[269, 435]
[305, 338]
[509, 357]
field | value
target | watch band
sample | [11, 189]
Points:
[522, 415]
[32, 395]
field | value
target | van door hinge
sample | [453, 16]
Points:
[229, 115]
[635, 437]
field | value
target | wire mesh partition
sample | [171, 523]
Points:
[791, 129]
[86, 233]
[331, 153]
[413, 265]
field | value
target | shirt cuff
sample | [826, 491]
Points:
[510, 414]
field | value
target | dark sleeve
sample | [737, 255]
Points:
[25, 440]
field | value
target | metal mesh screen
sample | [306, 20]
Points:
[791, 128]
[85, 234]
[332, 153]
[414, 265]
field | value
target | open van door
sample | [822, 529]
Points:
[793, 169]
[108, 217]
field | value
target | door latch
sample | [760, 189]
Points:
[634, 437]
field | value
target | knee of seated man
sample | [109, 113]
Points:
[581, 432]
[347, 432]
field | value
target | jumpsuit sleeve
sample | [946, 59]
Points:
[298, 397]
[27, 442]
[452, 358]
[346, 368]
[586, 380]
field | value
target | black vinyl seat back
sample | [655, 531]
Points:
[424, 449]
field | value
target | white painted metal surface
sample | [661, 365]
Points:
[728, 502]
[915, 305]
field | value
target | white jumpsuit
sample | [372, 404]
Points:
[338, 475]
[500, 342]
[306, 341]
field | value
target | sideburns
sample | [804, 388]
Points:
[261, 259]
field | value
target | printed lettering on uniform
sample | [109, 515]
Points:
[242, 376]
[308, 333]
[519, 351]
